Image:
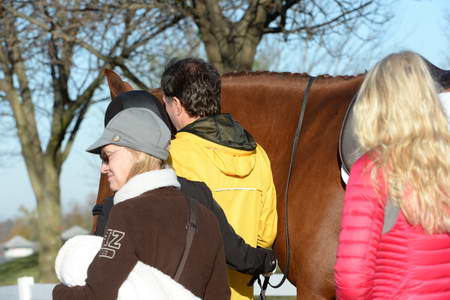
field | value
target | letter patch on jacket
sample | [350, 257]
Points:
[111, 243]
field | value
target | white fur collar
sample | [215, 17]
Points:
[144, 182]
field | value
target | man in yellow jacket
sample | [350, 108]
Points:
[213, 148]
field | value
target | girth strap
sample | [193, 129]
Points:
[191, 227]
[291, 165]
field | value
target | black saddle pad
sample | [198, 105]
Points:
[349, 148]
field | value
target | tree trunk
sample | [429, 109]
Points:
[230, 46]
[237, 56]
[47, 190]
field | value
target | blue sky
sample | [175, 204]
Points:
[418, 25]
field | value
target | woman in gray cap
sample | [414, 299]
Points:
[151, 220]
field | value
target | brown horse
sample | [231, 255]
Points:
[268, 104]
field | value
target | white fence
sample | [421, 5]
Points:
[27, 290]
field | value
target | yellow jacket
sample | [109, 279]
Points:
[240, 180]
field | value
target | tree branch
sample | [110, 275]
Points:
[81, 104]
[59, 34]
[24, 114]
[336, 20]
[127, 72]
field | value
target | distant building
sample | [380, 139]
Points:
[73, 231]
[17, 247]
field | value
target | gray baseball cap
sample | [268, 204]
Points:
[136, 128]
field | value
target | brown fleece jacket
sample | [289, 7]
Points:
[151, 228]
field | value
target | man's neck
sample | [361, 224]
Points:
[185, 121]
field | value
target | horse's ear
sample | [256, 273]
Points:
[116, 84]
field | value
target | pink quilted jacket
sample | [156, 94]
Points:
[405, 263]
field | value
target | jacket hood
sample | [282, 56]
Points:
[229, 146]
[222, 129]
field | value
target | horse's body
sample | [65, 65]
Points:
[268, 106]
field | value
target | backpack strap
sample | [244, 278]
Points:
[191, 227]
[391, 212]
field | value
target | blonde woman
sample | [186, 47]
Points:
[148, 222]
[402, 128]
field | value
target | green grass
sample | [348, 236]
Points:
[11, 270]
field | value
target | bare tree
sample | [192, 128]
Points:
[25, 224]
[52, 53]
[76, 213]
[231, 30]
[51, 58]
[349, 55]
[344, 54]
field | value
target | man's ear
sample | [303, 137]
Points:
[179, 109]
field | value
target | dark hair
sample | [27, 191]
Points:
[196, 83]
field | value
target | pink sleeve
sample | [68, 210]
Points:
[361, 227]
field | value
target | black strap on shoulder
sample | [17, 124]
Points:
[391, 212]
[191, 227]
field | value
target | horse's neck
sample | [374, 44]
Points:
[268, 104]
[275, 96]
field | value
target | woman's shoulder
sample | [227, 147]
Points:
[365, 159]
[365, 163]
[361, 169]
[362, 173]
[155, 199]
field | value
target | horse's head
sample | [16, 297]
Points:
[116, 84]
[147, 99]
[439, 75]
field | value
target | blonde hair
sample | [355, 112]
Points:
[400, 120]
[144, 163]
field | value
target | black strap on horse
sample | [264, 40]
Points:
[291, 165]
[263, 286]
[191, 227]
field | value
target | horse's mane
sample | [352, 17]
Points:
[442, 76]
[264, 74]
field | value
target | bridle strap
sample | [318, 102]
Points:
[288, 181]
